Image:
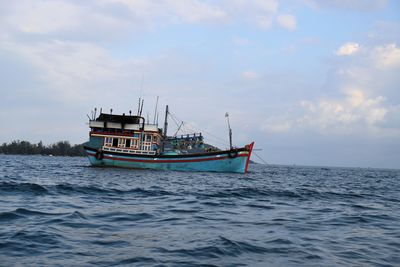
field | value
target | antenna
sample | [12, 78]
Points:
[230, 130]
[155, 111]
[141, 86]
[130, 112]
[140, 96]
[110, 111]
[95, 111]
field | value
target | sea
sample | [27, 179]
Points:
[60, 211]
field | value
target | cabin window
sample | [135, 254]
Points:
[128, 143]
[121, 142]
[135, 143]
[115, 142]
[136, 135]
[148, 137]
[108, 141]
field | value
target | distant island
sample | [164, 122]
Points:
[61, 148]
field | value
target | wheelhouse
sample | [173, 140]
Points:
[128, 134]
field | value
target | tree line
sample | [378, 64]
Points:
[61, 148]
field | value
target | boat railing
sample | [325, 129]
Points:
[130, 151]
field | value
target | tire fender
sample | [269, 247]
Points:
[99, 155]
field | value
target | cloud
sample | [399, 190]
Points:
[356, 5]
[72, 70]
[40, 20]
[249, 75]
[348, 49]
[360, 97]
[119, 17]
[386, 56]
[367, 86]
[372, 68]
[287, 22]
[192, 11]
[350, 112]
[40, 17]
[275, 127]
[260, 13]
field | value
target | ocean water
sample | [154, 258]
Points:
[59, 211]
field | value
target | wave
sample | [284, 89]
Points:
[250, 192]
[67, 189]
[12, 187]
[218, 249]
[23, 213]
[123, 216]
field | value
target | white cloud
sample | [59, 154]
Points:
[117, 17]
[348, 49]
[360, 97]
[277, 127]
[73, 70]
[41, 17]
[196, 11]
[250, 75]
[255, 12]
[357, 5]
[352, 111]
[189, 11]
[288, 22]
[386, 56]
[60, 19]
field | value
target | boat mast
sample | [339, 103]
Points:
[155, 111]
[230, 131]
[141, 108]
[166, 122]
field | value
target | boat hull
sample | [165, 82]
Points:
[222, 161]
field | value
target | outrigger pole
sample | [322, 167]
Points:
[230, 131]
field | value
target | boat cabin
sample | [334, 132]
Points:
[123, 133]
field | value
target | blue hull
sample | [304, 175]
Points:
[213, 162]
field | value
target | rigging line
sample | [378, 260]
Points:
[216, 137]
[259, 157]
[185, 130]
[222, 140]
[178, 129]
[211, 142]
[174, 120]
[179, 125]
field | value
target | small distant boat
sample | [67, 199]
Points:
[131, 142]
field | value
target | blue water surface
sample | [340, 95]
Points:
[59, 211]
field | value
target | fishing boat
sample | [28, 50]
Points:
[130, 141]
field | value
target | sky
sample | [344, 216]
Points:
[311, 82]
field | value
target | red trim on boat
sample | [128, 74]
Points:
[248, 157]
[168, 161]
